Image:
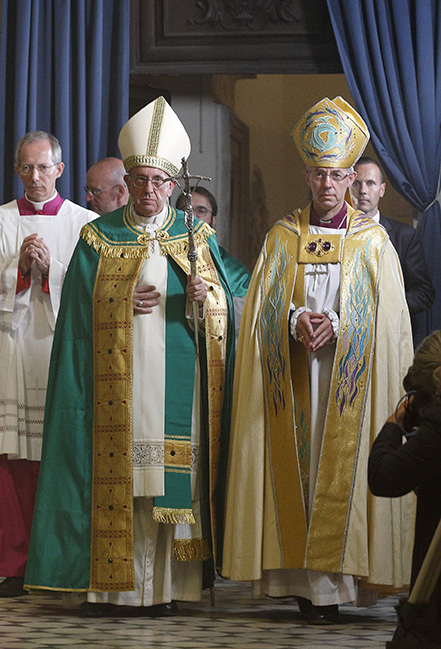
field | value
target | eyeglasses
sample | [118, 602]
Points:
[25, 170]
[143, 181]
[96, 192]
[318, 175]
[201, 211]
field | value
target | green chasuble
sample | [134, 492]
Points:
[238, 275]
[82, 534]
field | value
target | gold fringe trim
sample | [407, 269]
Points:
[129, 250]
[173, 516]
[180, 246]
[191, 549]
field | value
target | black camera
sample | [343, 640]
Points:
[412, 417]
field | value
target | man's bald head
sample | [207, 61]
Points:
[106, 188]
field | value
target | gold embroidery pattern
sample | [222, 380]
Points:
[278, 282]
[112, 491]
[333, 496]
[150, 161]
[155, 127]
[177, 453]
[216, 324]
[319, 249]
[143, 239]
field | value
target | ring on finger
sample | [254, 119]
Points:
[140, 303]
[300, 339]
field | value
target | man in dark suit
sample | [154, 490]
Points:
[367, 189]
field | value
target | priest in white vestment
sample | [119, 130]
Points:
[38, 234]
[325, 342]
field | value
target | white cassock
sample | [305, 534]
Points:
[27, 321]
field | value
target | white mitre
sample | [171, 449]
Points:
[154, 137]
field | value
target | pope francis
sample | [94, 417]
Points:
[125, 512]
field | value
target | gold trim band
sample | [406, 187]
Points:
[150, 161]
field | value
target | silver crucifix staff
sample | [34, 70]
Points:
[189, 224]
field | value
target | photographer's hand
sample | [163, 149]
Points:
[398, 416]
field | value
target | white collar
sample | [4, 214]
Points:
[40, 205]
[149, 222]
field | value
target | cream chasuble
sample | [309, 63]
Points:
[299, 519]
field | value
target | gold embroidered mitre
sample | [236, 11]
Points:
[331, 134]
[154, 137]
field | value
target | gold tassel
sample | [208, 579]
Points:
[173, 516]
[104, 249]
[174, 247]
[191, 549]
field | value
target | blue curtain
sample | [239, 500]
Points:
[391, 56]
[64, 68]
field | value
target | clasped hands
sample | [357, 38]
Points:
[34, 250]
[314, 330]
[147, 297]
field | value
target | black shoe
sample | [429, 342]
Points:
[324, 615]
[159, 610]
[92, 609]
[318, 615]
[306, 607]
[12, 587]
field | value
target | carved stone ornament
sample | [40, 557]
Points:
[250, 14]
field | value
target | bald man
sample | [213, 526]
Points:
[105, 188]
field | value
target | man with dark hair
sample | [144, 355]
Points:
[38, 234]
[367, 190]
[205, 208]
[204, 204]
